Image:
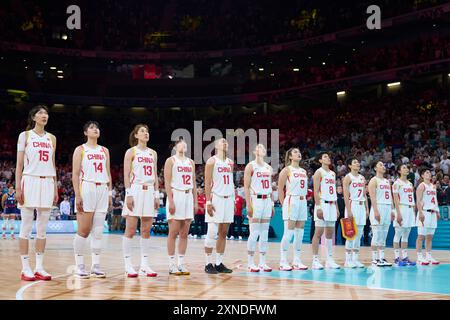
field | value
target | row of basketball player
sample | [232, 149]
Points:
[92, 184]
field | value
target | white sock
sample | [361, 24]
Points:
[329, 243]
[79, 246]
[397, 253]
[25, 262]
[428, 254]
[250, 260]
[172, 261]
[145, 248]
[95, 258]
[262, 258]
[126, 247]
[39, 260]
[381, 254]
[298, 240]
[283, 256]
[348, 256]
[355, 256]
[219, 258]
[315, 257]
[180, 259]
[208, 258]
[404, 253]
[374, 255]
[419, 255]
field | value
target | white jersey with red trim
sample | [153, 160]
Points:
[143, 166]
[327, 185]
[404, 191]
[261, 181]
[223, 184]
[430, 197]
[383, 191]
[297, 182]
[38, 154]
[93, 164]
[356, 187]
[182, 174]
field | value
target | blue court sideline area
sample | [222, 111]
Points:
[427, 279]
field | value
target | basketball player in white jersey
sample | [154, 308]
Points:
[141, 198]
[405, 218]
[181, 188]
[356, 207]
[381, 214]
[428, 214]
[91, 179]
[36, 188]
[294, 179]
[260, 208]
[325, 210]
[219, 191]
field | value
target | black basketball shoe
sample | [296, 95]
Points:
[222, 269]
[209, 268]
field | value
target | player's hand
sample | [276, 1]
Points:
[79, 204]
[399, 219]
[19, 197]
[55, 197]
[130, 203]
[171, 208]
[156, 204]
[349, 214]
[377, 216]
[210, 209]
[250, 211]
[195, 207]
[421, 217]
[319, 213]
[438, 215]
[110, 206]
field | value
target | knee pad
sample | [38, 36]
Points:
[41, 223]
[398, 234]
[405, 235]
[374, 241]
[264, 237]
[97, 225]
[210, 241]
[384, 232]
[27, 222]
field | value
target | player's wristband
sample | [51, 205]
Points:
[208, 203]
[128, 192]
[156, 194]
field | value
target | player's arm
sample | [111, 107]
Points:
[209, 167]
[56, 196]
[396, 198]
[156, 185]
[419, 197]
[127, 160]
[194, 189]
[108, 170]
[168, 165]
[365, 197]
[281, 184]
[316, 185]
[4, 200]
[346, 188]
[19, 166]
[247, 180]
[76, 168]
[373, 195]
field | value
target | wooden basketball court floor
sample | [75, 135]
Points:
[421, 282]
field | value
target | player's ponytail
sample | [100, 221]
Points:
[132, 139]
[31, 123]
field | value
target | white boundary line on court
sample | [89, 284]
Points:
[20, 292]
